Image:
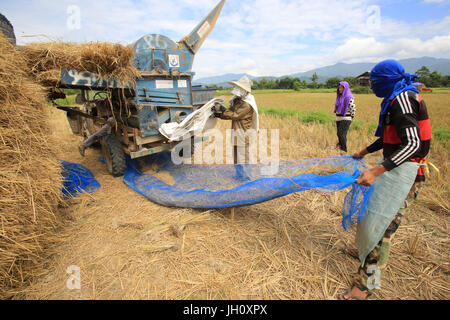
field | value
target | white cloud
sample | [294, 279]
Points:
[102, 20]
[369, 49]
[260, 37]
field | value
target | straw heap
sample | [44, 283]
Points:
[108, 60]
[30, 179]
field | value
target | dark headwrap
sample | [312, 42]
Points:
[389, 79]
[342, 102]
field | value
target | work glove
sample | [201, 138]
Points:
[218, 108]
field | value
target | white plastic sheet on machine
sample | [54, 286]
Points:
[198, 120]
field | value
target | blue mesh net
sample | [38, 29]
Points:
[222, 186]
[77, 178]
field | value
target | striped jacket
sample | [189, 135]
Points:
[350, 113]
[407, 131]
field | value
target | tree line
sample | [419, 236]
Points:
[430, 79]
[294, 83]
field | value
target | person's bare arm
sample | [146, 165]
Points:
[361, 154]
[367, 178]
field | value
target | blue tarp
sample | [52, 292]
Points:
[200, 186]
[77, 178]
[219, 186]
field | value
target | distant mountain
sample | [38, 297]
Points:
[439, 65]
[222, 80]
[354, 69]
[339, 70]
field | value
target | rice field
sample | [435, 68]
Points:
[368, 105]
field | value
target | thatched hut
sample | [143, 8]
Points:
[364, 79]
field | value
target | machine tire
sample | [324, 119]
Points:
[7, 29]
[114, 155]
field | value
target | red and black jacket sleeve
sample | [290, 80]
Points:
[377, 145]
[407, 131]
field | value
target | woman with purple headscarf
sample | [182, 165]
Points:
[345, 109]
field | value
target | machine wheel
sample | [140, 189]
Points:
[7, 29]
[114, 155]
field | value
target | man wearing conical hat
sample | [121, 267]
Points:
[243, 113]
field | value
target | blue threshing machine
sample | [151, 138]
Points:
[163, 93]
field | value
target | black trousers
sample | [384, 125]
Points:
[342, 129]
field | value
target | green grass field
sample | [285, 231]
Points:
[68, 101]
[277, 91]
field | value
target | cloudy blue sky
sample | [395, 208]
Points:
[259, 37]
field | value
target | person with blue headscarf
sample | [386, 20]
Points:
[404, 134]
[345, 109]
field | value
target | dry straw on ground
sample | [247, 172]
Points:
[107, 60]
[30, 178]
[288, 248]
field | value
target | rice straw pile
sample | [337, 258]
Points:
[107, 60]
[30, 179]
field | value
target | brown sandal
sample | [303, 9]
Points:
[347, 295]
[352, 252]
[81, 150]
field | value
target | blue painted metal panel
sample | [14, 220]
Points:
[156, 92]
[201, 96]
[179, 114]
[147, 152]
[164, 91]
[156, 54]
[163, 115]
[148, 119]
[85, 79]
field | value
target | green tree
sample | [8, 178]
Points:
[286, 83]
[352, 81]
[311, 85]
[303, 84]
[332, 82]
[263, 83]
[423, 72]
[314, 79]
[296, 85]
[445, 81]
[435, 79]
[423, 76]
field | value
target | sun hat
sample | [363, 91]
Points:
[243, 83]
